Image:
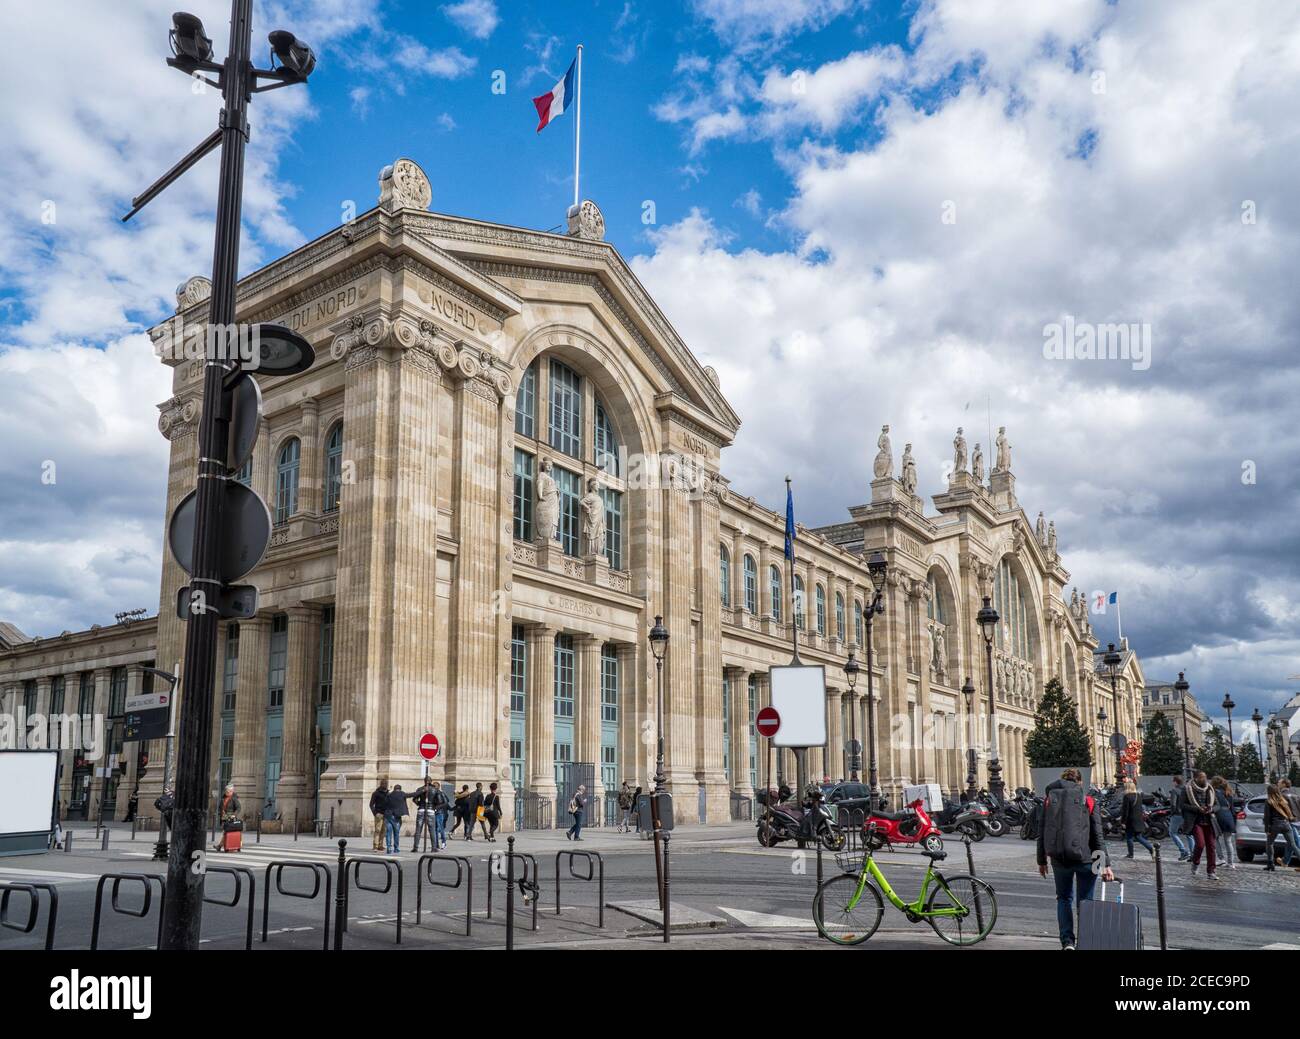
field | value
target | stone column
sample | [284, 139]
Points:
[247, 770]
[68, 736]
[586, 720]
[43, 709]
[834, 757]
[127, 779]
[309, 474]
[540, 703]
[679, 665]
[708, 664]
[301, 664]
[738, 723]
[738, 572]
[103, 680]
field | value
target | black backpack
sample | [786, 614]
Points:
[1066, 824]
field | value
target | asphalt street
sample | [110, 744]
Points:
[746, 896]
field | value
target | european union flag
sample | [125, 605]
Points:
[789, 522]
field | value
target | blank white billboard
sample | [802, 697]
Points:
[799, 696]
[27, 790]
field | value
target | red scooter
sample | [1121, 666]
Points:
[913, 825]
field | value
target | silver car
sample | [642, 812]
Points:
[1251, 839]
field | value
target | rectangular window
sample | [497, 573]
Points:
[523, 496]
[326, 690]
[608, 684]
[518, 669]
[752, 707]
[526, 403]
[230, 670]
[117, 692]
[29, 696]
[57, 686]
[566, 410]
[605, 455]
[86, 695]
[613, 527]
[564, 677]
[569, 486]
[278, 659]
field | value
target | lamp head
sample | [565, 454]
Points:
[968, 691]
[1228, 705]
[987, 619]
[1112, 658]
[1181, 685]
[852, 667]
[658, 638]
[1101, 716]
[281, 351]
[295, 57]
[190, 43]
[877, 569]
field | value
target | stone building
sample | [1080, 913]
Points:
[1182, 710]
[503, 465]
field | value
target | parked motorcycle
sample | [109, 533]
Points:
[969, 818]
[800, 823]
[913, 825]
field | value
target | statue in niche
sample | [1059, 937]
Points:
[884, 466]
[593, 520]
[547, 512]
[939, 654]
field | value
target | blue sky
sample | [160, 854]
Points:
[864, 212]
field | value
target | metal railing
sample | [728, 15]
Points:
[353, 870]
[237, 872]
[318, 870]
[146, 881]
[32, 891]
[533, 811]
[588, 857]
[464, 872]
[742, 808]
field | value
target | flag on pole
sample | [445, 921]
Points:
[789, 522]
[555, 101]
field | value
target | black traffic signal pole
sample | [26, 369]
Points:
[183, 901]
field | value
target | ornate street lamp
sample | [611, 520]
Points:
[1181, 687]
[1256, 717]
[1112, 660]
[1228, 705]
[877, 570]
[658, 646]
[851, 669]
[987, 619]
[1101, 729]
[968, 691]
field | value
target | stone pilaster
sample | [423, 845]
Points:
[293, 791]
[834, 760]
[679, 670]
[248, 767]
[738, 724]
[707, 708]
[586, 728]
[540, 704]
[309, 468]
[103, 680]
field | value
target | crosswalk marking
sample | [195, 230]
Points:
[19, 876]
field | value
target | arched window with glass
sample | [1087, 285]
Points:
[526, 403]
[798, 602]
[724, 575]
[605, 453]
[821, 610]
[565, 428]
[934, 608]
[839, 616]
[774, 589]
[751, 585]
[857, 623]
[334, 468]
[286, 480]
[1013, 614]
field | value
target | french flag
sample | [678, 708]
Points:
[556, 100]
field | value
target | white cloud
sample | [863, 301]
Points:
[747, 24]
[831, 94]
[479, 18]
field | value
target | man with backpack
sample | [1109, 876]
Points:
[1071, 840]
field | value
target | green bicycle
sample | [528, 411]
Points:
[848, 908]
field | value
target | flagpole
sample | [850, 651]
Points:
[1119, 621]
[577, 130]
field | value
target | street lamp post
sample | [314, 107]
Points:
[1181, 687]
[1101, 728]
[968, 691]
[877, 570]
[659, 646]
[987, 619]
[851, 669]
[1228, 705]
[1256, 717]
[238, 80]
[1112, 660]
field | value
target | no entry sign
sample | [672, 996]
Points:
[429, 746]
[767, 722]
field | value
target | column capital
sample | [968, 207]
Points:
[303, 612]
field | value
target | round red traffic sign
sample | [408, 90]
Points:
[767, 722]
[429, 746]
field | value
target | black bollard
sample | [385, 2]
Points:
[341, 898]
[510, 893]
[970, 864]
[103, 845]
[67, 842]
[295, 825]
[667, 902]
[331, 833]
[1160, 898]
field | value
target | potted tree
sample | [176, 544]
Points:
[1162, 756]
[1058, 740]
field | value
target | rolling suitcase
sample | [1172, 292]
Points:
[234, 840]
[1109, 925]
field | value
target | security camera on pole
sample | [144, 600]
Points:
[221, 531]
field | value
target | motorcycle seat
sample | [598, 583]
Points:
[880, 813]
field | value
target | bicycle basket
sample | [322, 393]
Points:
[851, 860]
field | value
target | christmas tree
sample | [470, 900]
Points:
[1249, 768]
[1058, 739]
[1214, 756]
[1162, 754]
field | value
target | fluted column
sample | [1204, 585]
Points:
[104, 738]
[541, 710]
[679, 665]
[586, 727]
[834, 757]
[309, 475]
[301, 665]
[248, 768]
[708, 664]
[738, 724]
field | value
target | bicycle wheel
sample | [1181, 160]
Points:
[835, 921]
[977, 910]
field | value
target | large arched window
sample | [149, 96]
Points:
[839, 616]
[934, 608]
[821, 610]
[526, 403]
[857, 622]
[751, 584]
[774, 589]
[286, 480]
[798, 602]
[605, 454]
[334, 468]
[1013, 615]
[565, 429]
[724, 575]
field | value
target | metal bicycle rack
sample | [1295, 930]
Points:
[318, 870]
[588, 857]
[237, 872]
[525, 884]
[353, 867]
[464, 871]
[146, 881]
[32, 890]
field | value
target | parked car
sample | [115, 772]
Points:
[846, 800]
[1251, 839]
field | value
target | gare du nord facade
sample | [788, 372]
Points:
[421, 578]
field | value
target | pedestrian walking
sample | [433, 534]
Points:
[625, 802]
[378, 810]
[423, 801]
[1227, 820]
[393, 816]
[492, 811]
[1069, 840]
[474, 811]
[1277, 823]
[458, 810]
[1199, 821]
[1134, 819]
[230, 819]
[441, 808]
[1177, 834]
[132, 803]
[577, 809]
[1292, 798]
